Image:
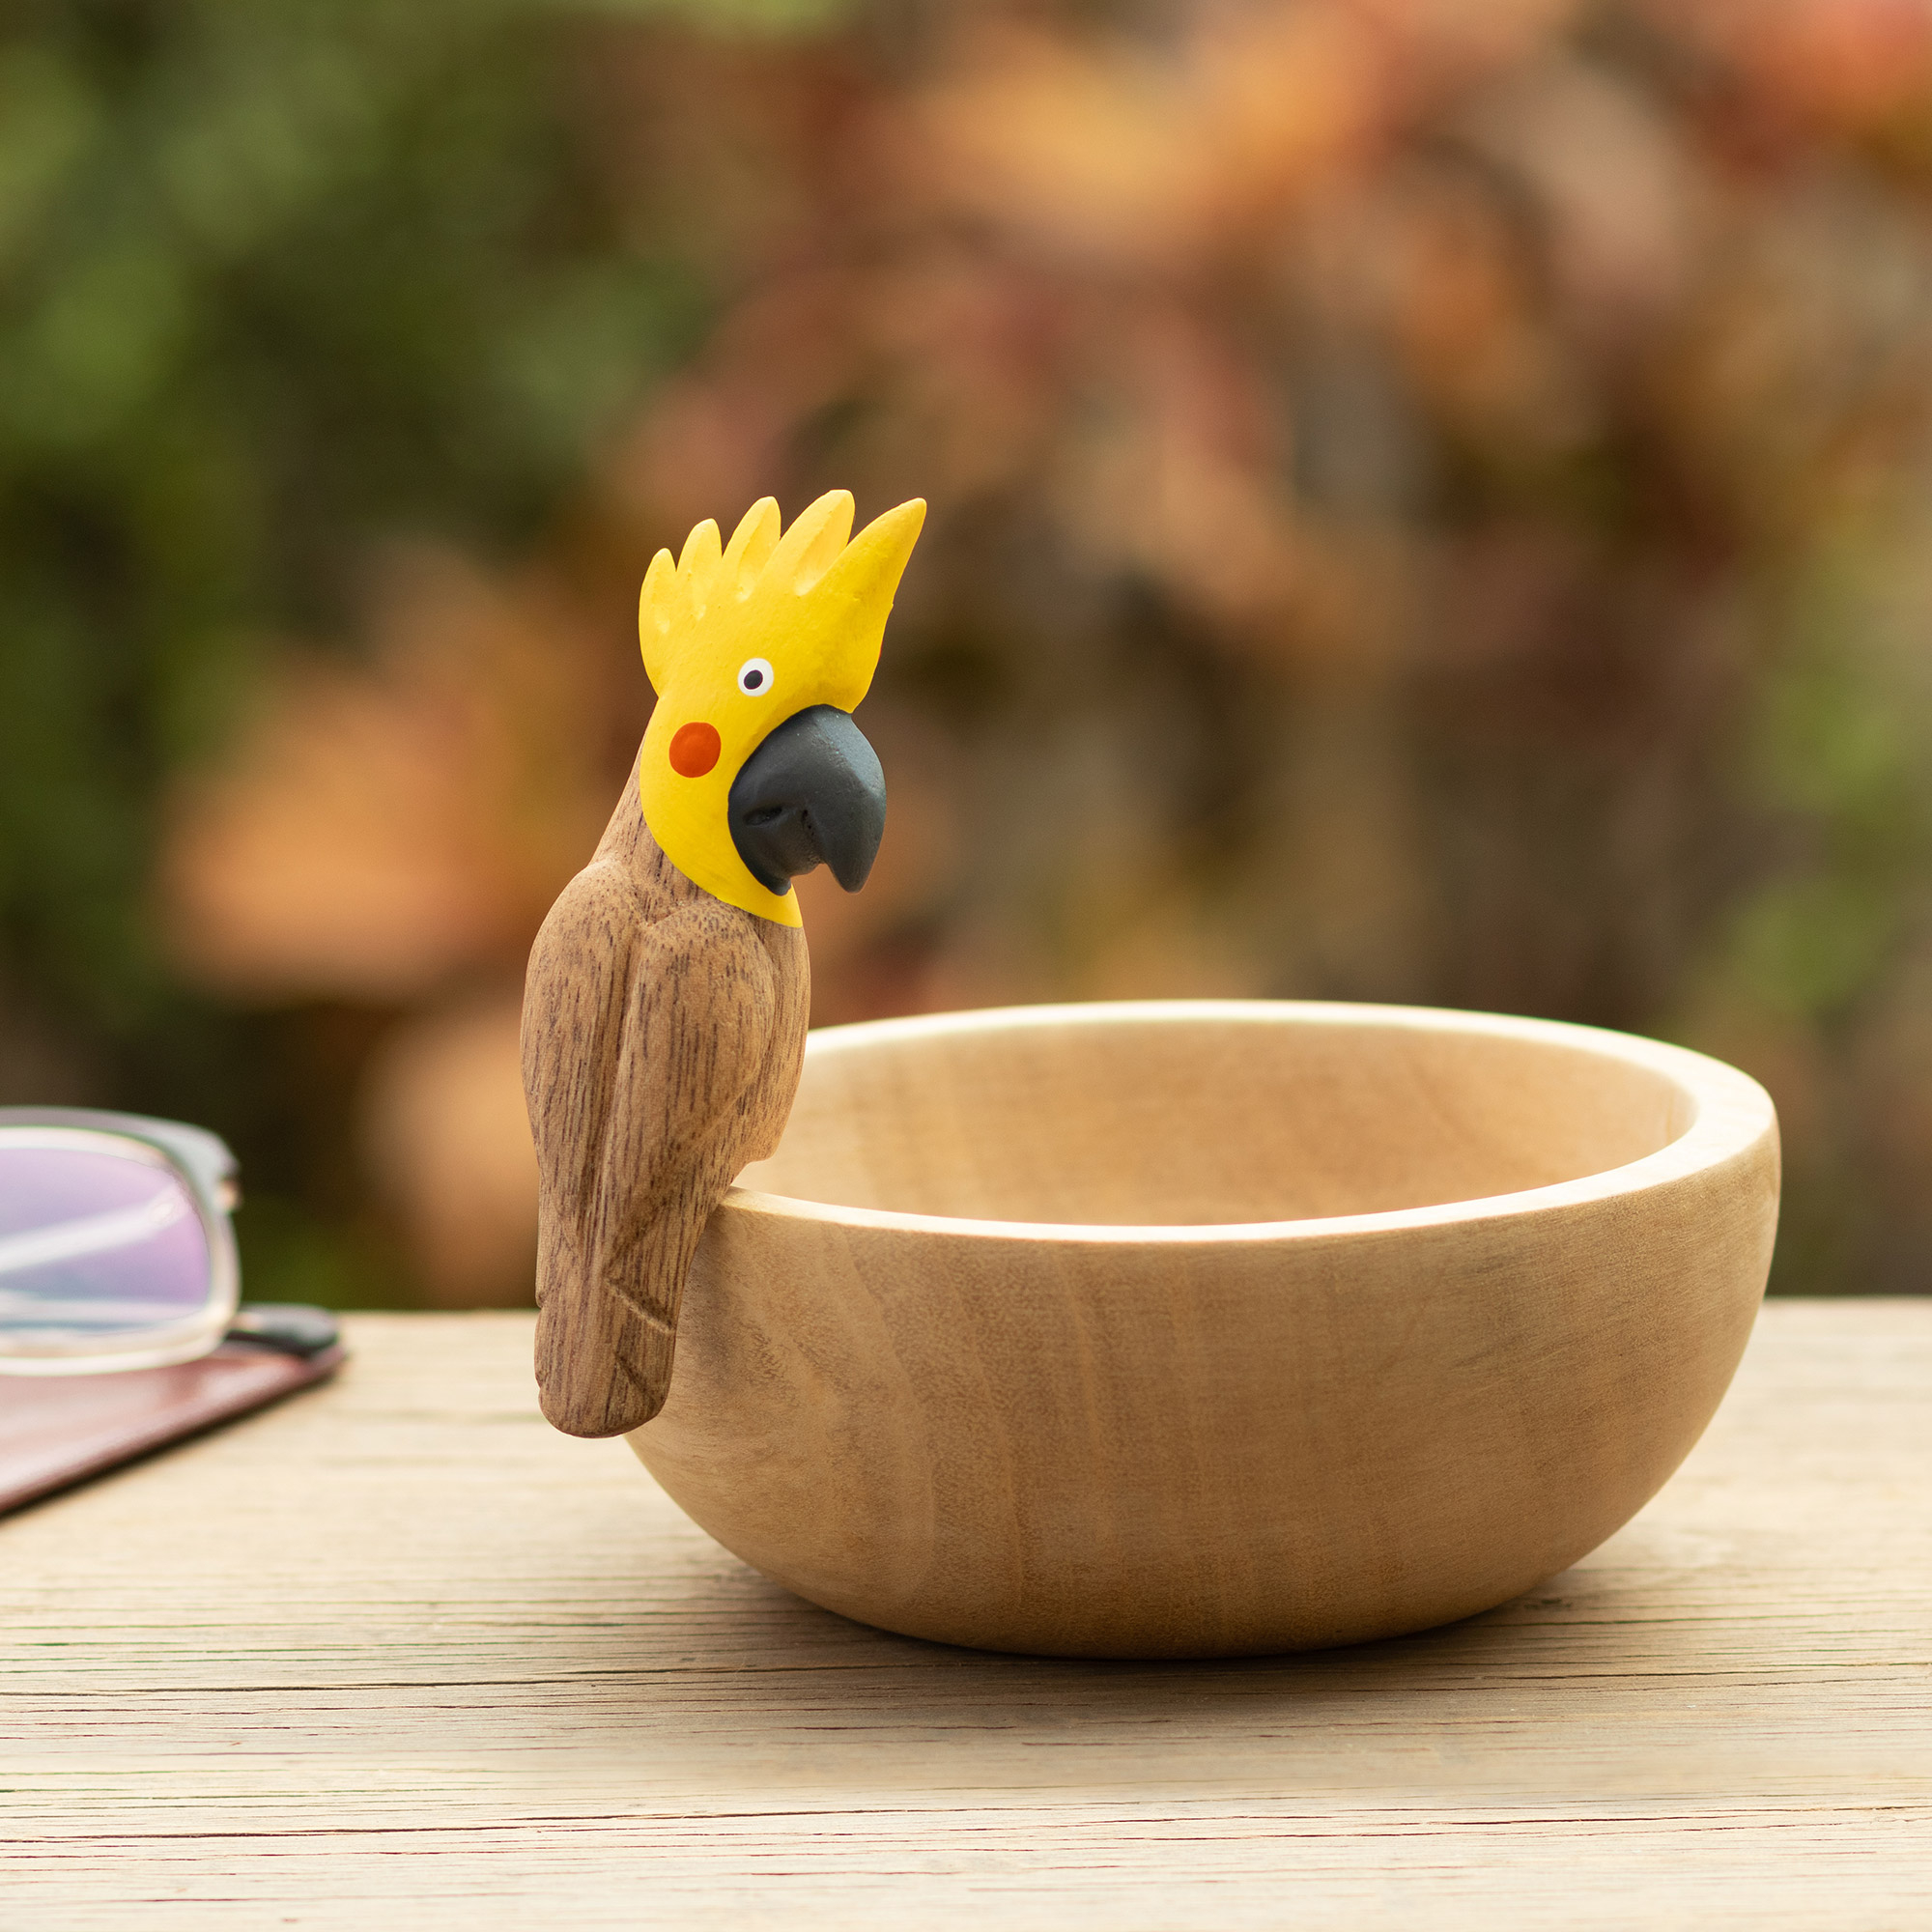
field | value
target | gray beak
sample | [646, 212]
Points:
[813, 794]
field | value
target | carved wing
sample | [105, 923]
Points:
[643, 1045]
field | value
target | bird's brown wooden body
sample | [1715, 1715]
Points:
[663, 1032]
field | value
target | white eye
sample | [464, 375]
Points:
[754, 677]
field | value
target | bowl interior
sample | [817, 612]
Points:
[1145, 1118]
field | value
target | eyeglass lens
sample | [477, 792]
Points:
[94, 1244]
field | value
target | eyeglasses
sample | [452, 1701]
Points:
[116, 1250]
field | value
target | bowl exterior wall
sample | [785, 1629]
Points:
[1231, 1444]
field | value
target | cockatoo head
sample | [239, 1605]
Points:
[752, 770]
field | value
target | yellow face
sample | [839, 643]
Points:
[741, 638]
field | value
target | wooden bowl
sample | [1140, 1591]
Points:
[1211, 1329]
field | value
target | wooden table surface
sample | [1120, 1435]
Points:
[396, 1655]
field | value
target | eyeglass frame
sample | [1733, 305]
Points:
[207, 1167]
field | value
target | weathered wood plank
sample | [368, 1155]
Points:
[397, 1653]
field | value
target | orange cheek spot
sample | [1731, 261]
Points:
[694, 750]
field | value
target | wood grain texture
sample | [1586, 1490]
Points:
[397, 1654]
[663, 1035]
[1421, 1307]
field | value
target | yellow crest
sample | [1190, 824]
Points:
[738, 637]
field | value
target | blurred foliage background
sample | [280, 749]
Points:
[1431, 501]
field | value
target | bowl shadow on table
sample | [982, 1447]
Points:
[728, 1656]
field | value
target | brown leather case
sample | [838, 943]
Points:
[63, 1429]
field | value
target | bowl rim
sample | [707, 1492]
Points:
[1733, 1115]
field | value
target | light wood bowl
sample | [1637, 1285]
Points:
[1212, 1328]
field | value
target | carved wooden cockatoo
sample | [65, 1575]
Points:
[666, 1006]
